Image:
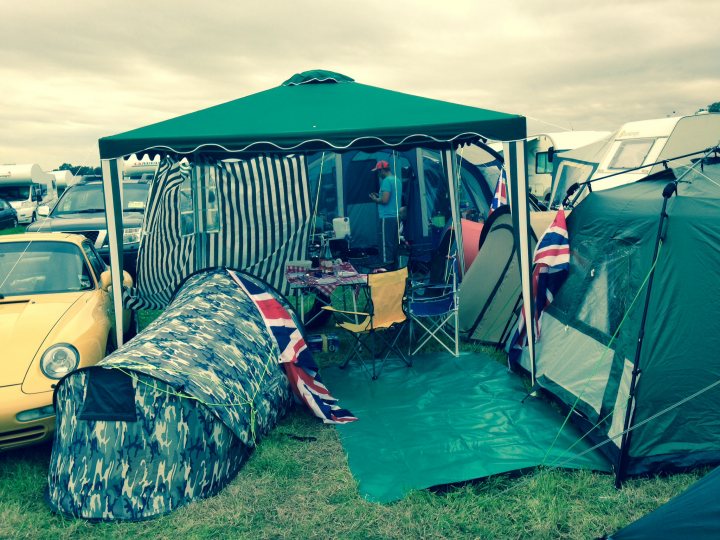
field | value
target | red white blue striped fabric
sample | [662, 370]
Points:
[295, 357]
[551, 268]
[500, 197]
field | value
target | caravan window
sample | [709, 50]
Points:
[569, 173]
[543, 164]
[631, 153]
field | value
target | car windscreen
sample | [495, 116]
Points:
[42, 267]
[88, 199]
[15, 193]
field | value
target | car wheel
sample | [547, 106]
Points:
[14, 223]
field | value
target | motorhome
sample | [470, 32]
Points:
[26, 187]
[64, 179]
[635, 151]
[144, 168]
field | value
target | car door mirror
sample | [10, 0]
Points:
[43, 211]
[106, 280]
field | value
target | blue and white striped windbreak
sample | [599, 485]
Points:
[263, 221]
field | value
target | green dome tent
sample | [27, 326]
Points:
[695, 513]
[588, 355]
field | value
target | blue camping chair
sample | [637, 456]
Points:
[433, 312]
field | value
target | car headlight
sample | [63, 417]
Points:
[131, 236]
[59, 360]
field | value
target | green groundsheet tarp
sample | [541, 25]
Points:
[446, 420]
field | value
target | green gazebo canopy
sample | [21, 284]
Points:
[317, 110]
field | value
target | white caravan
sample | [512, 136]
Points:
[26, 187]
[541, 152]
[633, 150]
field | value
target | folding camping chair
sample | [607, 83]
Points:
[433, 307]
[385, 317]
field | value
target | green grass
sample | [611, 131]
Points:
[303, 489]
[16, 230]
[294, 488]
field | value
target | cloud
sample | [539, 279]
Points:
[78, 71]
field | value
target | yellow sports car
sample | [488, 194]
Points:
[56, 315]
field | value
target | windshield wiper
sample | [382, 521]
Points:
[87, 211]
[141, 210]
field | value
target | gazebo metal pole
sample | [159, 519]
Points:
[113, 215]
[517, 183]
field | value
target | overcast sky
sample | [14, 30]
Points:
[72, 72]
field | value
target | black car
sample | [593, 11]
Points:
[81, 210]
[8, 215]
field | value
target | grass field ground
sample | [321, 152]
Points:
[294, 488]
[17, 230]
[297, 484]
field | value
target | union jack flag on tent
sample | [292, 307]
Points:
[551, 268]
[295, 357]
[500, 197]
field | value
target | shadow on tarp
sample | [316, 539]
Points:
[447, 420]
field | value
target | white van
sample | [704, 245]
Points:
[26, 187]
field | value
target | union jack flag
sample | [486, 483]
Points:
[551, 267]
[500, 197]
[295, 357]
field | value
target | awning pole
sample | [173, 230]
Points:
[113, 217]
[517, 182]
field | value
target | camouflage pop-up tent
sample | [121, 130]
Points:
[173, 415]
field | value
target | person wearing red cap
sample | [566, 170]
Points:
[388, 201]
